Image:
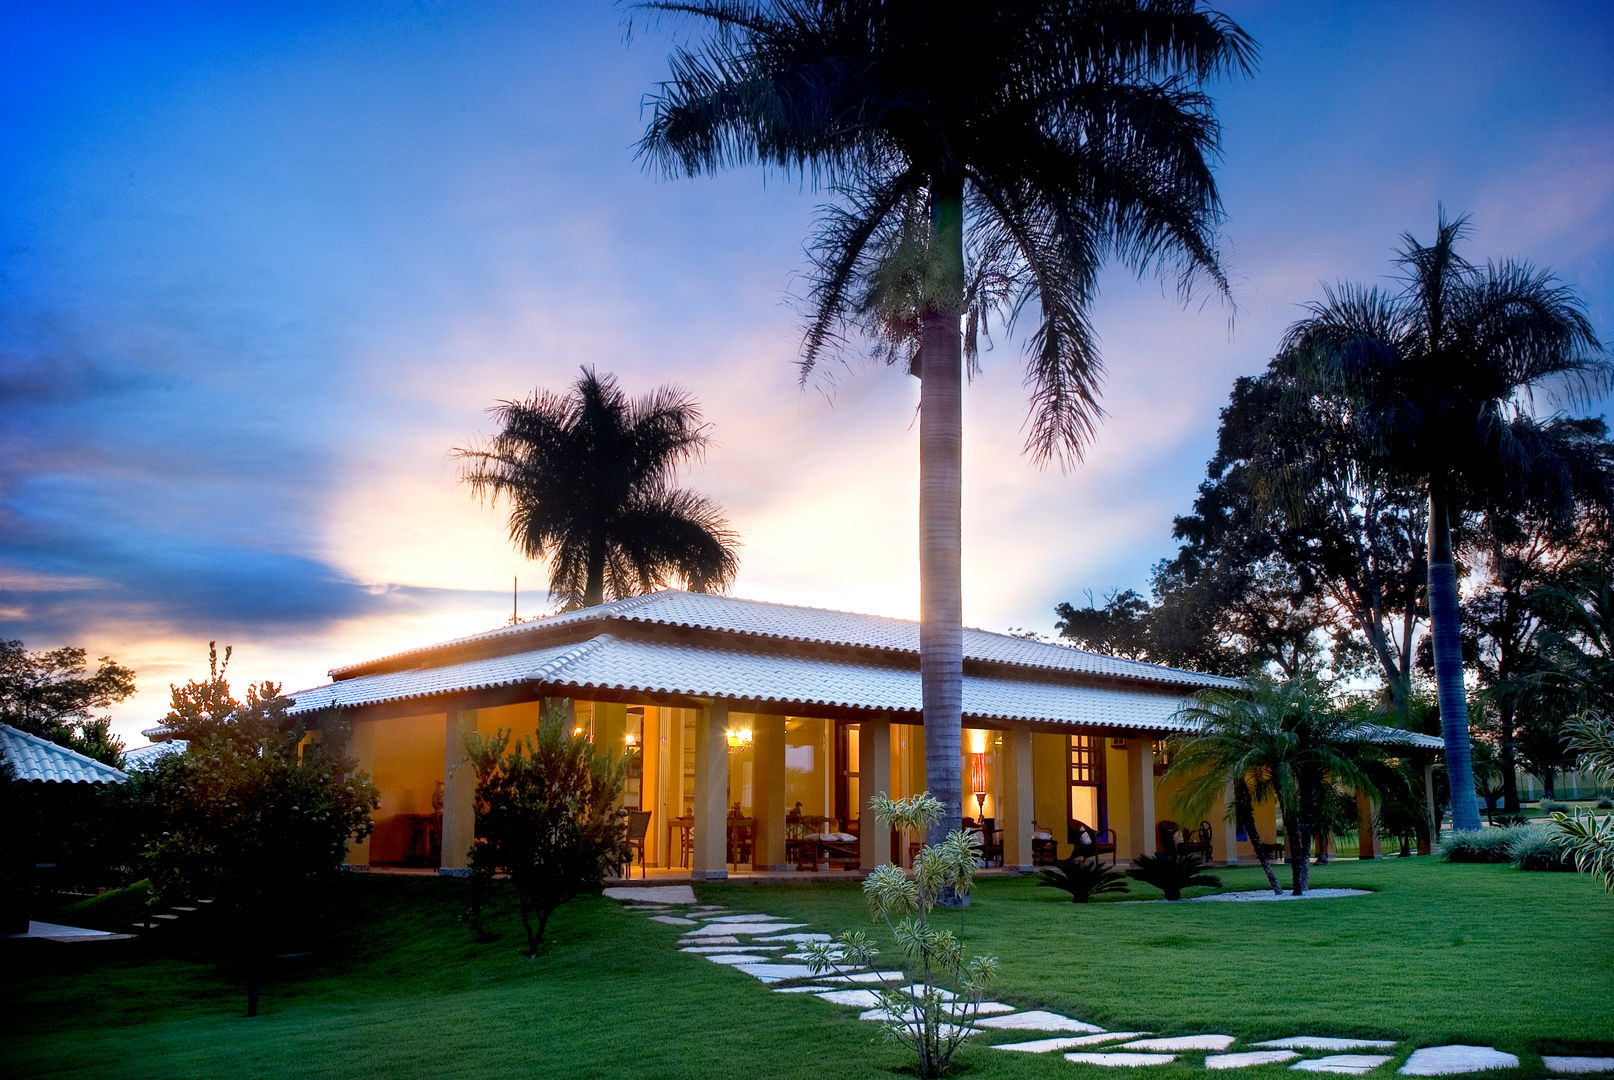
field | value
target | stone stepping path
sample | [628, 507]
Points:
[1315, 1042]
[747, 942]
[1354, 1064]
[1128, 1060]
[1044, 1046]
[1253, 1057]
[1576, 1065]
[1182, 1042]
[1442, 1060]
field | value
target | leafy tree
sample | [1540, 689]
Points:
[1119, 628]
[987, 159]
[588, 476]
[52, 693]
[1439, 378]
[546, 812]
[204, 707]
[259, 816]
[919, 1010]
[1279, 740]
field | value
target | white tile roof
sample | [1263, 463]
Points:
[34, 759]
[786, 622]
[626, 665]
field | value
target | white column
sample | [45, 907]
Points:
[874, 777]
[711, 835]
[1140, 794]
[1017, 806]
[459, 794]
[1229, 847]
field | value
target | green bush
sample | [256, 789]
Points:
[1171, 873]
[1605, 803]
[1480, 846]
[1549, 806]
[1536, 847]
[1083, 878]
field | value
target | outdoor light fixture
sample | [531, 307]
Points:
[978, 781]
[578, 730]
[633, 740]
[739, 740]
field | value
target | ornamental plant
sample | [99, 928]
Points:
[1083, 878]
[930, 1008]
[1171, 872]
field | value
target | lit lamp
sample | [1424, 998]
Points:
[632, 740]
[739, 740]
[978, 781]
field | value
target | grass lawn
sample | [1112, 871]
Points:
[1441, 953]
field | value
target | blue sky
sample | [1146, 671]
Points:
[265, 265]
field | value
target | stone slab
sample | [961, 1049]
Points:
[742, 918]
[1038, 1020]
[711, 929]
[1181, 1042]
[807, 990]
[774, 971]
[955, 1010]
[1043, 1046]
[1354, 1064]
[867, 977]
[1319, 1042]
[857, 999]
[736, 959]
[1457, 1058]
[1128, 1060]
[1254, 1057]
[1578, 1064]
[656, 894]
[796, 937]
[710, 939]
[672, 920]
[731, 948]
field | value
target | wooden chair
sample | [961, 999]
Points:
[1088, 842]
[1044, 849]
[742, 840]
[638, 825]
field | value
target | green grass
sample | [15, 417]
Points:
[1440, 953]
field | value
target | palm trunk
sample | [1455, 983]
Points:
[594, 584]
[1444, 634]
[941, 466]
[1244, 812]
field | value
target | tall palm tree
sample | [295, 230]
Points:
[588, 476]
[1440, 376]
[988, 156]
[1270, 740]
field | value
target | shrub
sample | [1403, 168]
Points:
[1538, 847]
[1509, 820]
[1479, 846]
[1171, 873]
[1553, 806]
[1083, 878]
[1605, 803]
[916, 1010]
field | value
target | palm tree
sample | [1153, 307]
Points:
[1269, 740]
[588, 478]
[988, 157]
[1440, 376]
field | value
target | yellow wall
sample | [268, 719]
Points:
[407, 767]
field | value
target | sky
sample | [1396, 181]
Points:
[263, 266]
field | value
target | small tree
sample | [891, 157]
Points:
[546, 813]
[257, 816]
[921, 1012]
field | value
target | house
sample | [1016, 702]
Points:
[35, 760]
[771, 715]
